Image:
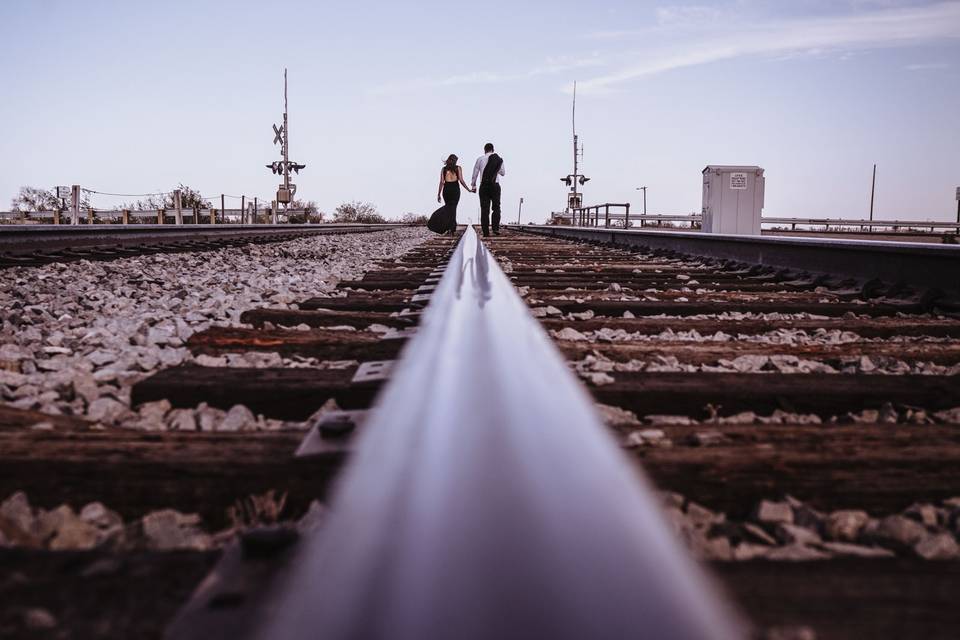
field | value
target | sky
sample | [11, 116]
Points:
[135, 97]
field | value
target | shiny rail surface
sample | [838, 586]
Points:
[592, 217]
[921, 265]
[485, 500]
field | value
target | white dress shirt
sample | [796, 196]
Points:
[480, 165]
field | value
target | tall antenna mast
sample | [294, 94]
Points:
[573, 198]
[281, 136]
[574, 118]
[286, 140]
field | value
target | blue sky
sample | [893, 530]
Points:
[134, 97]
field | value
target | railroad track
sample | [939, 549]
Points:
[730, 384]
[33, 245]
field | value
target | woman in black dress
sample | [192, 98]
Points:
[451, 177]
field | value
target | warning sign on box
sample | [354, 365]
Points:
[738, 181]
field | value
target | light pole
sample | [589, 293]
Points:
[643, 220]
[519, 209]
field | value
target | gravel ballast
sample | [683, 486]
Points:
[75, 337]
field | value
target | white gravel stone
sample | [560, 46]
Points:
[774, 512]
[568, 333]
[181, 420]
[106, 410]
[16, 509]
[848, 550]
[796, 553]
[898, 530]
[845, 525]
[647, 438]
[238, 418]
[169, 529]
[39, 619]
[941, 546]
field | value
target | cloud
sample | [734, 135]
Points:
[875, 29]
[691, 35]
[551, 66]
[926, 66]
[687, 14]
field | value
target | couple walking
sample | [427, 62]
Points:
[489, 168]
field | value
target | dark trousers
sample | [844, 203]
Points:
[489, 194]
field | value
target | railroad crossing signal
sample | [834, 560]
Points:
[281, 136]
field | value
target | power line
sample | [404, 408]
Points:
[128, 195]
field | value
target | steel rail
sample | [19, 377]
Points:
[26, 239]
[811, 222]
[924, 265]
[486, 500]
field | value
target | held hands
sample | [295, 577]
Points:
[438, 197]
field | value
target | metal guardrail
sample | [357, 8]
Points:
[925, 265]
[591, 215]
[486, 500]
[625, 220]
[211, 215]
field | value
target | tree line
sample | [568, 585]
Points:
[32, 199]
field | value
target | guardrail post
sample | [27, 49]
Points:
[626, 217]
[273, 212]
[213, 216]
[75, 204]
[89, 216]
[159, 216]
[56, 216]
[606, 216]
[178, 216]
[126, 216]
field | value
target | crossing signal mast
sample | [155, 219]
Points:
[281, 136]
[573, 198]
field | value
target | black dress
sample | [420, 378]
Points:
[444, 219]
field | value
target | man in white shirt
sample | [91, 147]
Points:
[489, 167]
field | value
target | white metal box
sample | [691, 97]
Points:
[732, 199]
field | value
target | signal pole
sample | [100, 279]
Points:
[573, 198]
[281, 136]
[286, 140]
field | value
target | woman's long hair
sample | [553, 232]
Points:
[451, 164]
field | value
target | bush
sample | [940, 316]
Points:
[414, 218]
[358, 213]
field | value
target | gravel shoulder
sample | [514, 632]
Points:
[74, 338]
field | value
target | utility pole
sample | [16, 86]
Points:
[519, 209]
[873, 186]
[644, 189]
